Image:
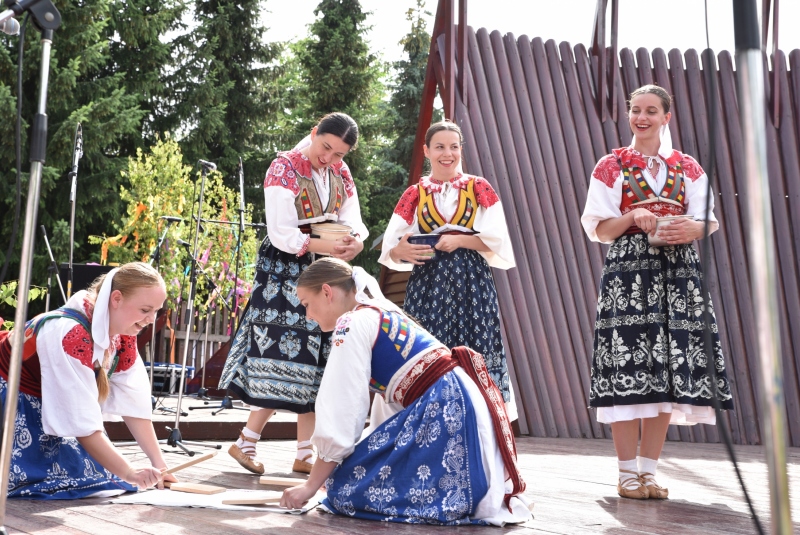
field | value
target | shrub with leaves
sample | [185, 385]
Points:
[161, 185]
[8, 296]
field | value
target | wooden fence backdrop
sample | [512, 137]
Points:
[533, 129]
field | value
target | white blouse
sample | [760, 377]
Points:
[70, 407]
[283, 223]
[603, 202]
[490, 224]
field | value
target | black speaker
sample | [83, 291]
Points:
[83, 275]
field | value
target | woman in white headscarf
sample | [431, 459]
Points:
[439, 451]
[81, 363]
[650, 363]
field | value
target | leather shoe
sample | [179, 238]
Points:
[248, 463]
[654, 490]
[639, 492]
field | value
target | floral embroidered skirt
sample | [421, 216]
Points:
[277, 356]
[423, 465]
[454, 299]
[45, 467]
[649, 340]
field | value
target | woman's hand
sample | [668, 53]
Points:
[295, 497]
[409, 252]
[645, 220]
[144, 478]
[166, 477]
[450, 242]
[347, 248]
[681, 231]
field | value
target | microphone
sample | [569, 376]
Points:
[207, 165]
[183, 243]
[10, 27]
[171, 218]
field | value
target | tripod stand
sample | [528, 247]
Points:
[227, 402]
[175, 439]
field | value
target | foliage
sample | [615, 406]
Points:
[224, 89]
[8, 296]
[161, 185]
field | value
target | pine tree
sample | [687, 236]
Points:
[224, 89]
[87, 86]
[402, 115]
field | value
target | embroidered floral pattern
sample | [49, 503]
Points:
[485, 193]
[607, 170]
[128, 353]
[78, 345]
[407, 205]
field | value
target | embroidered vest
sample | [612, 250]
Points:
[430, 219]
[308, 204]
[637, 193]
[398, 339]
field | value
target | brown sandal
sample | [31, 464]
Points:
[302, 465]
[245, 460]
[637, 493]
[654, 490]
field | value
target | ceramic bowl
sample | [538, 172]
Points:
[662, 222]
[330, 231]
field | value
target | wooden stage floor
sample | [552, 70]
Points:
[571, 481]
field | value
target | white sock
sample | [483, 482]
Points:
[304, 449]
[647, 466]
[631, 482]
[247, 447]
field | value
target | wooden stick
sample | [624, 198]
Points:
[281, 481]
[193, 462]
[252, 501]
[195, 488]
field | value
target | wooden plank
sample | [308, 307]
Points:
[281, 481]
[192, 462]
[193, 488]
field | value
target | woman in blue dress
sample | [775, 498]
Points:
[440, 450]
[80, 362]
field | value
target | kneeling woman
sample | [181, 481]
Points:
[79, 363]
[441, 450]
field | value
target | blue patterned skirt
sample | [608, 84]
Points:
[45, 467]
[454, 299]
[649, 344]
[277, 356]
[423, 465]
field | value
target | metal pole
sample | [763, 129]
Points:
[761, 243]
[25, 268]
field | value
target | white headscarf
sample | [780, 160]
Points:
[664, 151]
[364, 280]
[100, 318]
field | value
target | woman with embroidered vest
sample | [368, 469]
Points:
[440, 451]
[278, 355]
[453, 296]
[80, 362]
[650, 363]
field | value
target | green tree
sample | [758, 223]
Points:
[224, 87]
[83, 88]
[402, 115]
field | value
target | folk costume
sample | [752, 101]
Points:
[278, 356]
[454, 296]
[650, 354]
[439, 449]
[58, 399]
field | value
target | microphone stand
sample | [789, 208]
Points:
[175, 439]
[47, 19]
[77, 153]
[52, 267]
[227, 401]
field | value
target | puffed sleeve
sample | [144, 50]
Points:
[343, 399]
[350, 212]
[696, 181]
[280, 191]
[490, 223]
[129, 385]
[604, 196]
[403, 221]
[69, 392]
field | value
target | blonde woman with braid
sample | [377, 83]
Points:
[80, 362]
